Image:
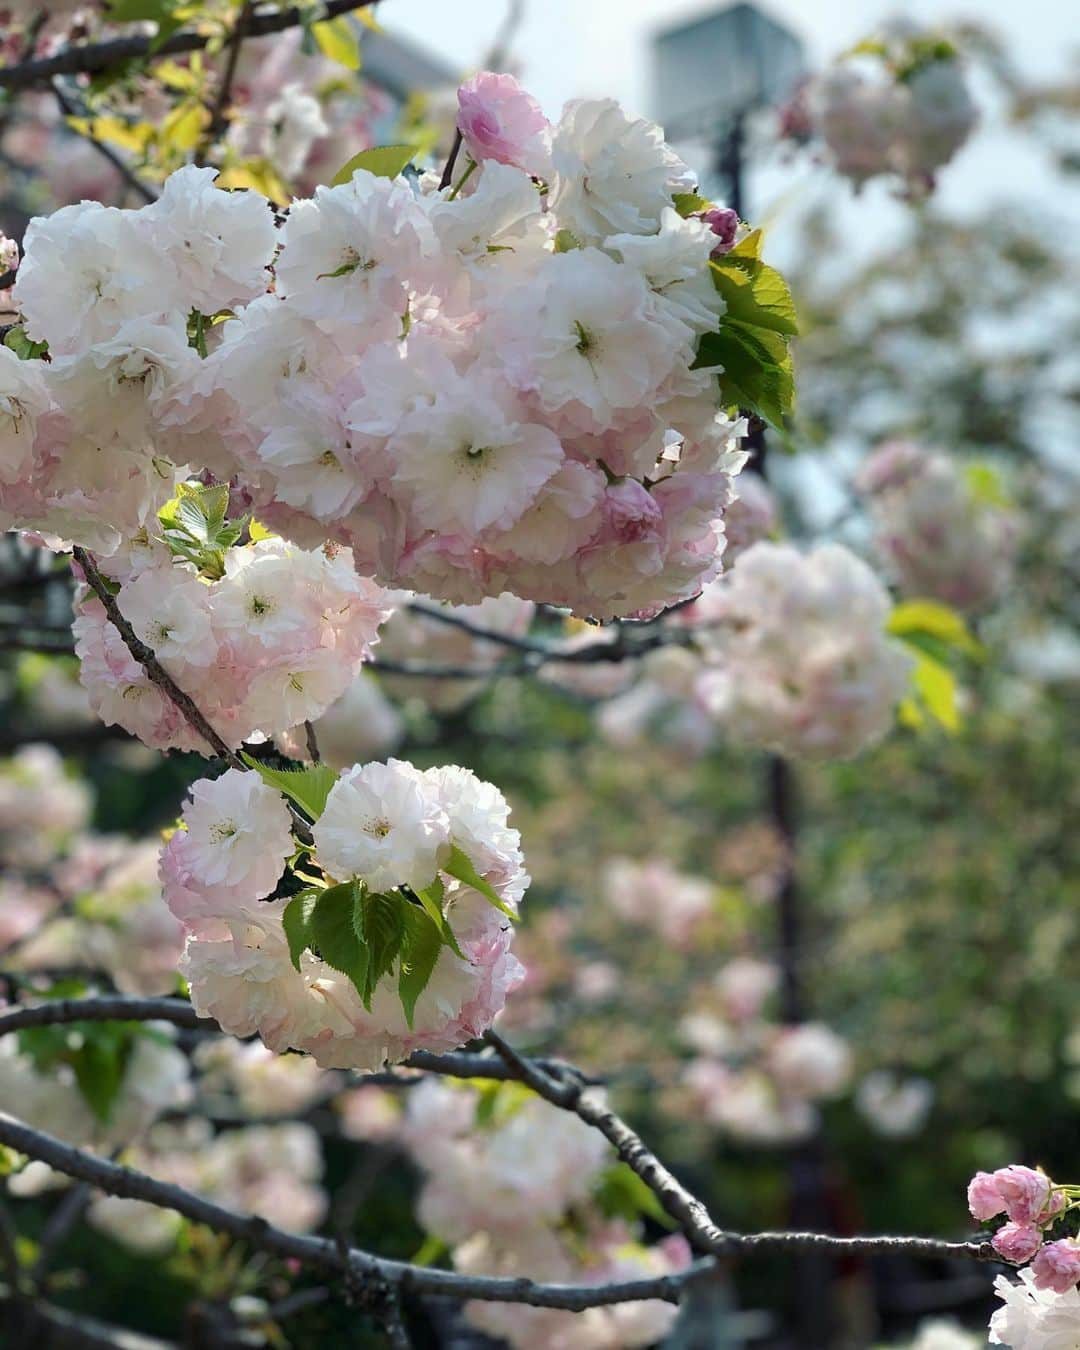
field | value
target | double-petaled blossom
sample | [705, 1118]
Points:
[479, 389]
[389, 827]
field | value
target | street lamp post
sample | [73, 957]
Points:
[711, 75]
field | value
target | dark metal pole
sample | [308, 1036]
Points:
[812, 1313]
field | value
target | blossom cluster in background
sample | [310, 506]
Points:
[897, 104]
[515, 1186]
[945, 533]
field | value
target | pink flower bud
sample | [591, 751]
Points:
[984, 1198]
[1057, 1266]
[499, 120]
[1017, 1242]
[724, 223]
[631, 510]
[1024, 1191]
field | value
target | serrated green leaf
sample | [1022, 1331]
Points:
[380, 918]
[333, 927]
[460, 867]
[431, 897]
[750, 246]
[755, 293]
[690, 204]
[384, 161]
[420, 948]
[296, 920]
[566, 241]
[756, 369]
[308, 788]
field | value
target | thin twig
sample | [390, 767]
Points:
[312, 743]
[154, 669]
[219, 113]
[448, 171]
[92, 58]
[106, 151]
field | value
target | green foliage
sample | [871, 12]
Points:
[566, 241]
[195, 526]
[366, 934]
[690, 204]
[337, 39]
[384, 161]
[15, 340]
[296, 920]
[97, 1053]
[751, 344]
[621, 1194]
[461, 867]
[422, 942]
[308, 788]
[936, 635]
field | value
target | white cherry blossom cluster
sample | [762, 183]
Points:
[514, 1185]
[946, 534]
[273, 1171]
[654, 895]
[388, 837]
[481, 388]
[272, 642]
[797, 653]
[41, 806]
[116, 923]
[756, 1079]
[898, 104]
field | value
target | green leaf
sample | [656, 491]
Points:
[308, 788]
[296, 920]
[334, 928]
[690, 204]
[460, 867]
[915, 619]
[566, 241]
[985, 485]
[432, 900]
[420, 948]
[756, 369]
[16, 340]
[936, 687]
[750, 246]
[755, 293]
[337, 39]
[621, 1194]
[381, 922]
[384, 161]
[99, 1069]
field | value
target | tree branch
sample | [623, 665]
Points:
[106, 151]
[322, 1252]
[92, 58]
[561, 1084]
[154, 669]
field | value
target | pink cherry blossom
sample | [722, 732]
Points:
[1057, 1265]
[1017, 1242]
[499, 120]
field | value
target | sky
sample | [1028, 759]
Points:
[596, 48]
